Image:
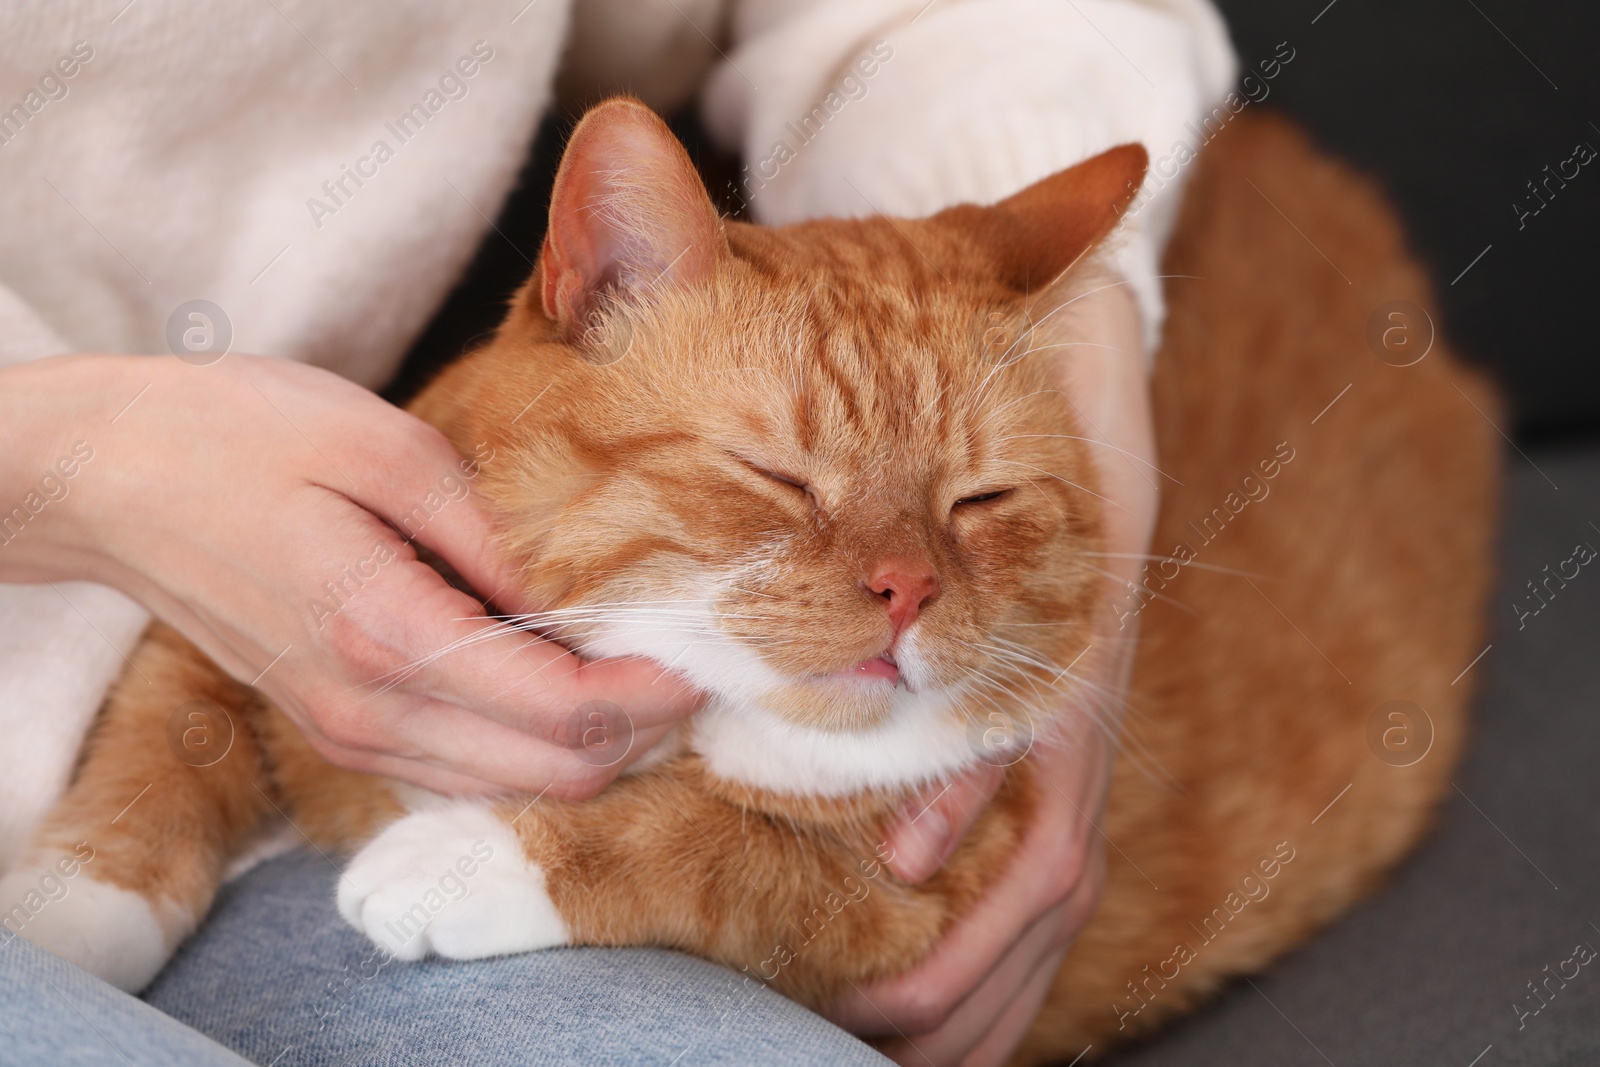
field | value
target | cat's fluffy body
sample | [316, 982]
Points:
[644, 448]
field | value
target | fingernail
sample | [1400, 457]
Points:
[924, 841]
[950, 843]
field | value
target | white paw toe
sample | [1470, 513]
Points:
[108, 931]
[453, 881]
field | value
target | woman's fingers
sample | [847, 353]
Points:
[935, 821]
[431, 500]
[383, 461]
[986, 1027]
[1045, 870]
[451, 749]
[974, 1017]
[422, 679]
[1012, 1027]
[429, 777]
[453, 739]
[410, 631]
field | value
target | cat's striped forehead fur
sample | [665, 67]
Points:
[821, 469]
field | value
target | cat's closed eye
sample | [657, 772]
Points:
[983, 498]
[776, 476]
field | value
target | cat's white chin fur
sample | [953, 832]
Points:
[918, 742]
[921, 740]
[452, 880]
[111, 932]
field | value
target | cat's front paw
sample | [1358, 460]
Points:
[454, 881]
[110, 932]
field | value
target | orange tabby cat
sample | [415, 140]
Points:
[817, 470]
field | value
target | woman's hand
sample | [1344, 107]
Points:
[972, 1000]
[254, 505]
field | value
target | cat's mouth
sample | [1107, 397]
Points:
[877, 669]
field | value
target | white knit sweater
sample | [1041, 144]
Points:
[161, 151]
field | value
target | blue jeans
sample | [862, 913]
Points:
[276, 977]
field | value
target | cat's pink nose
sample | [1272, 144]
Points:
[907, 586]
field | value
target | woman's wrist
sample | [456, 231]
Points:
[58, 423]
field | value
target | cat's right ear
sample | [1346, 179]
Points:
[628, 214]
[1040, 233]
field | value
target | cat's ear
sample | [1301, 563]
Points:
[628, 213]
[1052, 224]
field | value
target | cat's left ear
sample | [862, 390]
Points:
[1043, 231]
[628, 213]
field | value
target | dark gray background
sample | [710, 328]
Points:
[1454, 118]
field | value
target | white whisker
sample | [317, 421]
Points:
[1094, 441]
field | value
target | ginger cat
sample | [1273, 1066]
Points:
[814, 469]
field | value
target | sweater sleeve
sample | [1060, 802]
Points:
[905, 107]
